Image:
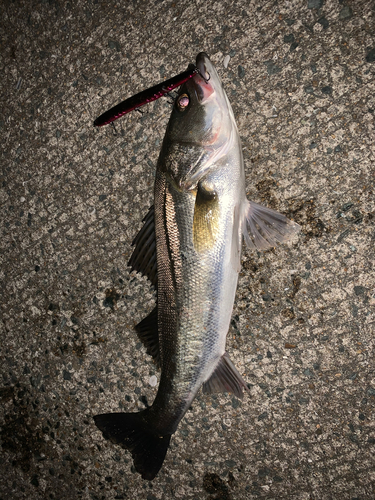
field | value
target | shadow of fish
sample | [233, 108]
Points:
[190, 248]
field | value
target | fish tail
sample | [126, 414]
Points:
[132, 432]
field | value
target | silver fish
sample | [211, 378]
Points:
[190, 248]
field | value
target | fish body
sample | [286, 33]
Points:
[190, 248]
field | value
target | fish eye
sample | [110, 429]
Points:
[183, 102]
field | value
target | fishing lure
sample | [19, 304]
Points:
[145, 97]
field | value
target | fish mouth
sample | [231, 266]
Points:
[201, 64]
[209, 129]
[205, 81]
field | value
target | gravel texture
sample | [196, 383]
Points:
[300, 78]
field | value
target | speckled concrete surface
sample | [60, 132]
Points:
[301, 82]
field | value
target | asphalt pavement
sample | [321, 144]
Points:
[300, 76]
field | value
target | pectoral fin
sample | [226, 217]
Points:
[263, 227]
[225, 378]
[206, 217]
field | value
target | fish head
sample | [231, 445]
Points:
[201, 128]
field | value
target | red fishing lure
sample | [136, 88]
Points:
[144, 97]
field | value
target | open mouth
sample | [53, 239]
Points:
[203, 79]
[200, 63]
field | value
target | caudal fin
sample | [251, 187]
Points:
[131, 431]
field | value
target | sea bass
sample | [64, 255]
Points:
[190, 249]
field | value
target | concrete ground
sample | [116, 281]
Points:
[301, 82]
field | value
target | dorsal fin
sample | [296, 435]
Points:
[143, 258]
[147, 331]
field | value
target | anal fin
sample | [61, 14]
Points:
[225, 378]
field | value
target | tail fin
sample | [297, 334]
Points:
[131, 431]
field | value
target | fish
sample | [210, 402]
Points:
[190, 249]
